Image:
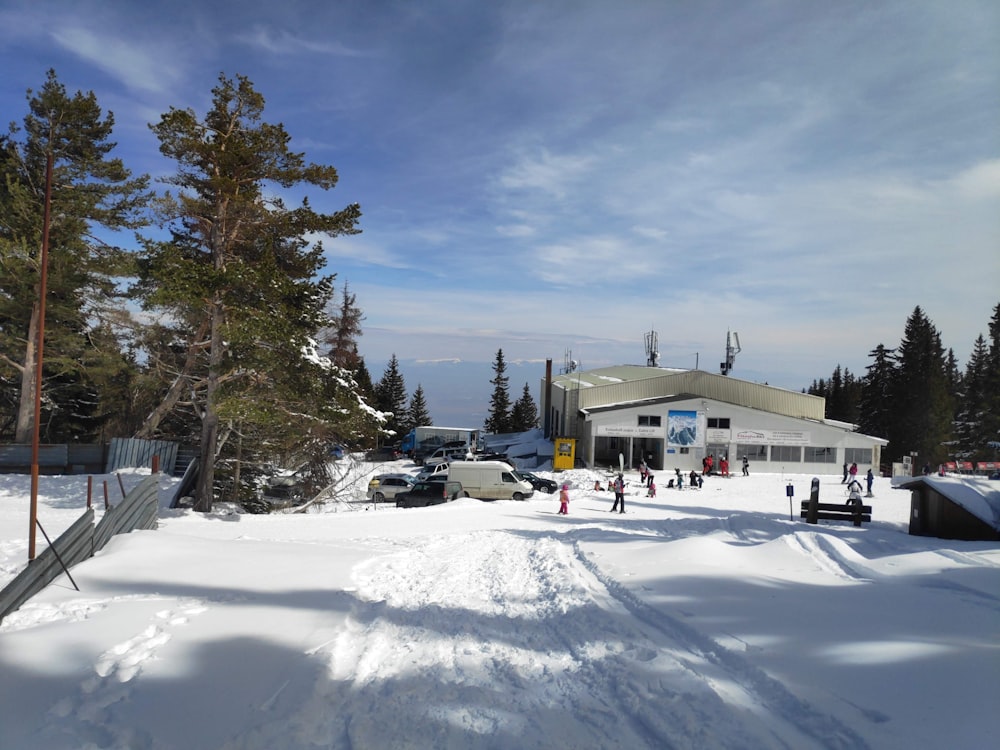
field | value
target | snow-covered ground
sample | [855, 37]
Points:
[699, 619]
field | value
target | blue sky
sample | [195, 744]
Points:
[546, 177]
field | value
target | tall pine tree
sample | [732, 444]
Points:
[239, 276]
[499, 419]
[417, 414]
[876, 408]
[89, 189]
[921, 402]
[524, 415]
[390, 398]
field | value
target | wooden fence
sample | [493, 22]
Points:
[138, 510]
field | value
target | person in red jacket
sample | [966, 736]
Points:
[724, 466]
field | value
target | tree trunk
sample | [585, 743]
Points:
[25, 428]
[173, 395]
[204, 494]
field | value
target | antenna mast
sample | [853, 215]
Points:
[652, 350]
[731, 352]
[569, 364]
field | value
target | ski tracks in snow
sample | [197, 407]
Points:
[498, 639]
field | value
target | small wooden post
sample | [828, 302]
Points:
[90, 488]
[156, 463]
[812, 514]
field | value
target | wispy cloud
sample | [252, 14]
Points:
[285, 42]
[139, 65]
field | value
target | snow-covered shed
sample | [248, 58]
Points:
[675, 418]
[951, 507]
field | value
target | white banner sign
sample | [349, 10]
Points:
[772, 437]
[629, 430]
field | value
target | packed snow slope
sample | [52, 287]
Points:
[699, 619]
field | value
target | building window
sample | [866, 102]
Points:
[817, 455]
[752, 452]
[649, 420]
[719, 423]
[786, 453]
[858, 456]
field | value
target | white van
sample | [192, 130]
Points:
[490, 480]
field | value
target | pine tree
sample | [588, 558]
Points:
[88, 189]
[524, 415]
[364, 379]
[970, 435]
[345, 331]
[499, 419]
[239, 279]
[876, 413]
[920, 398]
[991, 413]
[417, 415]
[390, 397]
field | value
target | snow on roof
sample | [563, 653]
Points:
[978, 495]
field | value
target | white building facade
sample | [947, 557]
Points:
[673, 419]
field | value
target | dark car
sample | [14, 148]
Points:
[539, 483]
[430, 492]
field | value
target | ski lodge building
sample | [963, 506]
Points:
[674, 418]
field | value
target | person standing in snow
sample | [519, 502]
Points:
[853, 471]
[869, 479]
[643, 471]
[564, 500]
[746, 467]
[844, 480]
[724, 466]
[619, 488]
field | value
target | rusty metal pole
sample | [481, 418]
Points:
[39, 353]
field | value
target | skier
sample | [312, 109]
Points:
[619, 488]
[724, 466]
[564, 500]
[870, 479]
[746, 467]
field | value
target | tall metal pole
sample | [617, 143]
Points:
[43, 278]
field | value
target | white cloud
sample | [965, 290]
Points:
[140, 65]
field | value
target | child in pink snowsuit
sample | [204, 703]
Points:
[564, 500]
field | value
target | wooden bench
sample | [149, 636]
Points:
[852, 511]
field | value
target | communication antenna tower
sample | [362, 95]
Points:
[731, 352]
[652, 350]
[569, 364]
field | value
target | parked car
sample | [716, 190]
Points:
[487, 456]
[387, 486]
[433, 470]
[456, 453]
[539, 483]
[430, 492]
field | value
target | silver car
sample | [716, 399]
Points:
[386, 486]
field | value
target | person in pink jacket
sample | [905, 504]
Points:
[564, 500]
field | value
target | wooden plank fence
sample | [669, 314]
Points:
[138, 510]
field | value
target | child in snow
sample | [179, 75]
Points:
[651, 491]
[564, 500]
